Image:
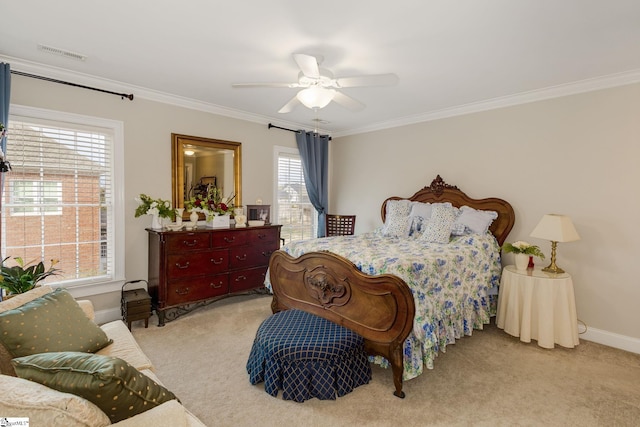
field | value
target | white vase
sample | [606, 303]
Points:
[522, 260]
[219, 221]
[179, 212]
[156, 222]
[193, 217]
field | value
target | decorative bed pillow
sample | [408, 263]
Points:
[423, 210]
[477, 221]
[397, 221]
[52, 322]
[114, 386]
[438, 230]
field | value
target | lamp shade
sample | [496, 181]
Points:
[557, 228]
[315, 96]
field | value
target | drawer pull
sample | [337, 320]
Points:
[240, 278]
[191, 243]
[218, 262]
[230, 239]
[261, 236]
[267, 253]
[214, 286]
[241, 258]
[182, 266]
[183, 291]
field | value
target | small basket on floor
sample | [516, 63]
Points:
[307, 356]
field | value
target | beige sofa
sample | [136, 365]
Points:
[45, 406]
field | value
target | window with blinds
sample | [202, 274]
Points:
[294, 210]
[57, 201]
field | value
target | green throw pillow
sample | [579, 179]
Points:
[114, 386]
[52, 322]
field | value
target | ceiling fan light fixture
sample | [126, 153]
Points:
[316, 97]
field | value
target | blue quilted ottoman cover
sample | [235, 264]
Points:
[307, 356]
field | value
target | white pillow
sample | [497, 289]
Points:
[477, 221]
[422, 210]
[397, 221]
[438, 229]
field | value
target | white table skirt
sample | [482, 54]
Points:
[537, 305]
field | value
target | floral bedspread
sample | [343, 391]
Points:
[450, 283]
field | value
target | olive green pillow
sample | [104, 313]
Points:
[52, 322]
[110, 383]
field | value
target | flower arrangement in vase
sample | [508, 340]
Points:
[211, 203]
[522, 251]
[157, 208]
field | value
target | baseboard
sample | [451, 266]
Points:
[610, 339]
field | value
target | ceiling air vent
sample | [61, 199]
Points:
[62, 52]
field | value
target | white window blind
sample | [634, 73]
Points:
[58, 199]
[295, 212]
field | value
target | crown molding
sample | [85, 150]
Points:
[138, 91]
[587, 85]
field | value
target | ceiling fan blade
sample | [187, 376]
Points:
[348, 102]
[370, 80]
[289, 106]
[308, 64]
[245, 85]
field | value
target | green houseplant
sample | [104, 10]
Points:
[522, 251]
[23, 277]
[523, 248]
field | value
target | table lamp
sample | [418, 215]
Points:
[557, 228]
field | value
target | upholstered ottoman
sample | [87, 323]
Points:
[307, 356]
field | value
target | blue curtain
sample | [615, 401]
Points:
[5, 95]
[314, 152]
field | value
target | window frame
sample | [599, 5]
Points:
[113, 281]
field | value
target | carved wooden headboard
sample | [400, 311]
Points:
[439, 192]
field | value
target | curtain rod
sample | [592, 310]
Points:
[290, 130]
[33, 76]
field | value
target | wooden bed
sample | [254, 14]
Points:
[380, 308]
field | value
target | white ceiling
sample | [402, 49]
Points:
[451, 56]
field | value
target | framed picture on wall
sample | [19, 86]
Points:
[259, 212]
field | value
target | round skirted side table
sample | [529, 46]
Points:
[533, 304]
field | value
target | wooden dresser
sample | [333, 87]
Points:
[189, 269]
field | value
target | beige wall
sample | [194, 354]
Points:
[147, 151]
[576, 155]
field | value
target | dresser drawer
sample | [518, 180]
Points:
[265, 235]
[181, 242]
[250, 256]
[224, 239]
[197, 263]
[244, 280]
[200, 288]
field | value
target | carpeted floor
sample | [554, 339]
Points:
[488, 379]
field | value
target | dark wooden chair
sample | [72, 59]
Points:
[340, 225]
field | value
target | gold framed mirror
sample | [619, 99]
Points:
[197, 162]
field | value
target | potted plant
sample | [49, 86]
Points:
[522, 251]
[23, 277]
[157, 208]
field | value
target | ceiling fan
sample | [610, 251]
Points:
[319, 87]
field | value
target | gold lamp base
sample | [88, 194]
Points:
[553, 268]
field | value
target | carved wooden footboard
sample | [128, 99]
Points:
[379, 308]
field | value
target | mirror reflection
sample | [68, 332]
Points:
[198, 163]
